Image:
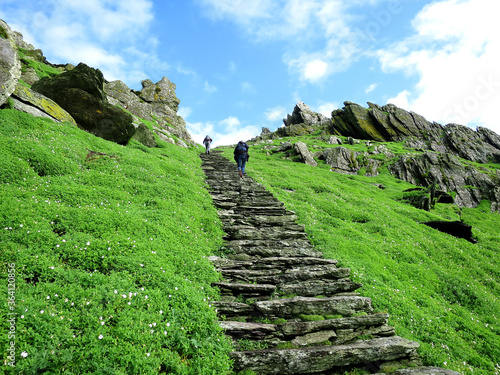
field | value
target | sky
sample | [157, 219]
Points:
[241, 65]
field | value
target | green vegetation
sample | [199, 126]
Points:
[109, 249]
[440, 291]
[41, 69]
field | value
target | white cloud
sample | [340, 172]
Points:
[184, 112]
[210, 88]
[371, 88]
[230, 123]
[276, 113]
[314, 70]
[108, 35]
[326, 109]
[225, 132]
[456, 63]
[317, 31]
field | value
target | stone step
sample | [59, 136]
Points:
[246, 290]
[292, 308]
[280, 276]
[269, 263]
[313, 288]
[300, 334]
[289, 308]
[253, 233]
[246, 249]
[321, 359]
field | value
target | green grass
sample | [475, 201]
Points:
[109, 253]
[440, 291]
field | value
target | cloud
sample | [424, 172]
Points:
[225, 132]
[111, 35]
[316, 31]
[210, 88]
[275, 114]
[230, 123]
[371, 88]
[455, 62]
[184, 112]
[248, 88]
[326, 109]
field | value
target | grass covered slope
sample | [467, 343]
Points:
[109, 252]
[440, 291]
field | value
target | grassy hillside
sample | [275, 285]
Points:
[107, 246]
[440, 291]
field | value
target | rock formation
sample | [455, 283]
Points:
[82, 96]
[435, 152]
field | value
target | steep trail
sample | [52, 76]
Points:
[287, 309]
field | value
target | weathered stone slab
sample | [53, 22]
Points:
[424, 371]
[313, 288]
[246, 288]
[353, 322]
[322, 359]
[293, 307]
[251, 331]
[233, 308]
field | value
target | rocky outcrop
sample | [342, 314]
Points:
[470, 184]
[98, 111]
[302, 114]
[390, 123]
[288, 310]
[156, 102]
[10, 66]
[32, 102]
[80, 91]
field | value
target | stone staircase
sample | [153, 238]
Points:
[288, 310]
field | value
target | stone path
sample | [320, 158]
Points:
[288, 310]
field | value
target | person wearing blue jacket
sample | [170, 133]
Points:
[241, 156]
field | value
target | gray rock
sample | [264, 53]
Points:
[145, 136]
[32, 102]
[322, 359]
[80, 92]
[292, 307]
[306, 155]
[425, 371]
[451, 175]
[29, 76]
[342, 160]
[10, 65]
[302, 114]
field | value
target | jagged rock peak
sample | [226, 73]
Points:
[302, 114]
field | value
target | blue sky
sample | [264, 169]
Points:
[240, 65]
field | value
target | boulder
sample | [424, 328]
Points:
[342, 160]
[32, 102]
[81, 92]
[10, 65]
[302, 114]
[145, 136]
[306, 155]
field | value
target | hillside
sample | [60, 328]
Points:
[107, 246]
[107, 226]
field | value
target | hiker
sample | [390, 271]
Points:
[241, 156]
[207, 142]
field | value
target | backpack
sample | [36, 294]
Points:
[241, 149]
